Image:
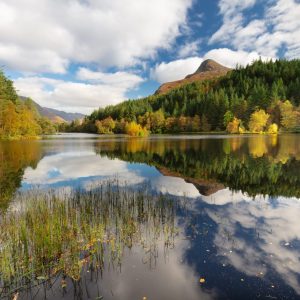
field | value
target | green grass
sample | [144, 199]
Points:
[51, 234]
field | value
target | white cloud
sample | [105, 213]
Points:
[278, 28]
[178, 69]
[231, 59]
[175, 70]
[174, 186]
[45, 36]
[275, 225]
[120, 79]
[188, 49]
[228, 28]
[71, 166]
[232, 19]
[105, 88]
[230, 7]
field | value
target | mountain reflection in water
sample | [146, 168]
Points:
[238, 228]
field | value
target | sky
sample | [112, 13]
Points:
[79, 55]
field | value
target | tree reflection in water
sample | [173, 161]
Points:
[238, 229]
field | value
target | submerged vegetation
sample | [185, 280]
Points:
[50, 234]
[267, 92]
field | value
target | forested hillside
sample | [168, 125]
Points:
[18, 118]
[264, 96]
[54, 115]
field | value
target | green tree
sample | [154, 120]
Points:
[228, 117]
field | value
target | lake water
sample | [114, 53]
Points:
[238, 230]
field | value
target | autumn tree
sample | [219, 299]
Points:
[205, 125]
[171, 124]
[9, 120]
[105, 126]
[258, 121]
[233, 126]
[288, 115]
[157, 120]
[196, 123]
[273, 128]
[134, 129]
[29, 125]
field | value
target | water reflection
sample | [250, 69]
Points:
[267, 165]
[14, 158]
[239, 225]
[255, 245]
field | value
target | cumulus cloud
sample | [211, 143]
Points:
[230, 7]
[174, 186]
[277, 29]
[174, 70]
[188, 49]
[45, 36]
[100, 90]
[178, 69]
[84, 166]
[121, 79]
[232, 19]
[231, 59]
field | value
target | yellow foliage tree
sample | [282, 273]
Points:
[233, 126]
[157, 120]
[29, 125]
[134, 129]
[273, 128]
[105, 126]
[9, 120]
[258, 121]
[288, 115]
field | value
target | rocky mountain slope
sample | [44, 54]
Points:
[209, 69]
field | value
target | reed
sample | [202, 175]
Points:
[53, 234]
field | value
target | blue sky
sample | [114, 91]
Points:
[78, 55]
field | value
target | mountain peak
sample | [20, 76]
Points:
[209, 65]
[209, 69]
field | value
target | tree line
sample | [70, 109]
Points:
[19, 118]
[239, 164]
[264, 96]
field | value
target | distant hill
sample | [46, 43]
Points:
[209, 69]
[55, 115]
[209, 105]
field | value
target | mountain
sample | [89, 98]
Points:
[58, 115]
[209, 69]
[55, 115]
[211, 105]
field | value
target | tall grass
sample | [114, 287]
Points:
[51, 234]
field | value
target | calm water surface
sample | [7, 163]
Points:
[239, 229]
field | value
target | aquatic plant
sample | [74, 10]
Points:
[51, 234]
